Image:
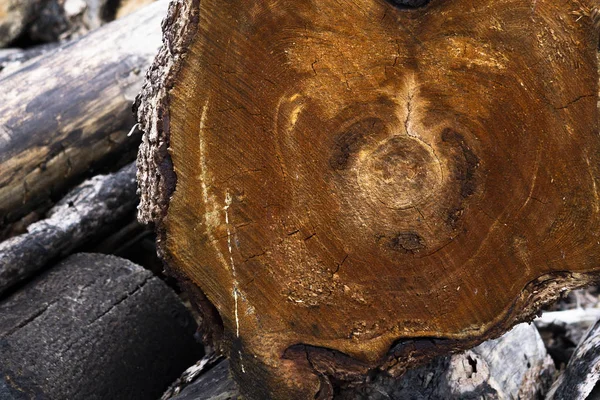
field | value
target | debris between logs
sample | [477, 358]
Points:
[55, 20]
[581, 375]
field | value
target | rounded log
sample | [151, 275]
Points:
[70, 111]
[93, 327]
[356, 185]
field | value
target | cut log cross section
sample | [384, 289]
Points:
[346, 180]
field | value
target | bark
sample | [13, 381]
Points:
[69, 112]
[362, 187]
[582, 373]
[88, 210]
[514, 366]
[93, 327]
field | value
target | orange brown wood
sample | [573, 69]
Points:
[346, 176]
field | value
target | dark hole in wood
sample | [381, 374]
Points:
[409, 3]
[473, 364]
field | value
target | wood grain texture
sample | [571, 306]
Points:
[69, 111]
[354, 185]
[93, 327]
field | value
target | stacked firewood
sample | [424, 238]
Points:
[75, 323]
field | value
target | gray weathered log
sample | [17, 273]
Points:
[583, 370]
[93, 327]
[12, 59]
[64, 113]
[214, 384]
[577, 316]
[513, 366]
[88, 208]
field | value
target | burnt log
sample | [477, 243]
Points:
[93, 327]
[85, 213]
[66, 113]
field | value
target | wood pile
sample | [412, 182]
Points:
[292, 186]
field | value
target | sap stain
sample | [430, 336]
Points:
[351, 140]
[406, 242]
[465, 164]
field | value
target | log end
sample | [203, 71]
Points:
[350, 197]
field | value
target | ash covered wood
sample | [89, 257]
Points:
[93, 327]
[89, 210]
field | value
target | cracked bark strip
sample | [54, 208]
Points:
[86, 211]
[68, 112]
[93, 326]
[447, 153]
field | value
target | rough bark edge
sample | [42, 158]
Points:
[156, 177]
[342, 371]
[443, 377]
